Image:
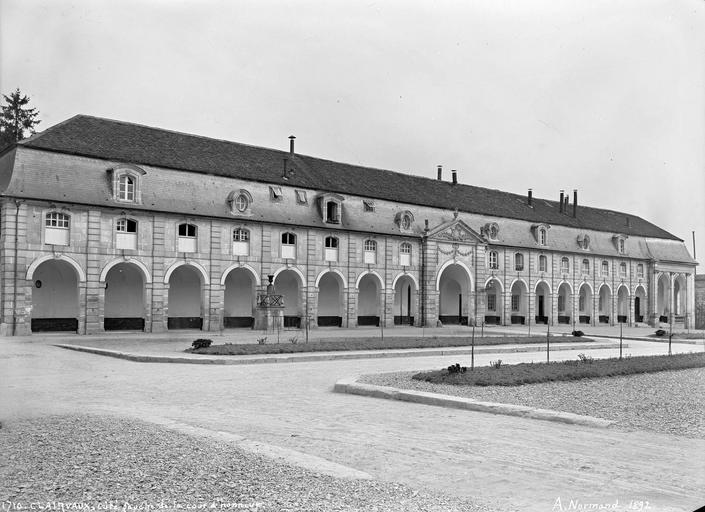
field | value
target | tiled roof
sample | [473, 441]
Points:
[137, 144]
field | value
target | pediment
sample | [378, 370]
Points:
[456, 231]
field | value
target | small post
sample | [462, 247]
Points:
[548, 343]
[483, 329]
[670, 332]
[472, 349]
[620, 341]
[381, 328]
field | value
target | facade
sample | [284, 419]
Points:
[700, 301]
[106, 225]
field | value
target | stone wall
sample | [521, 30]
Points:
[700, 301]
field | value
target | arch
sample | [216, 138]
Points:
[293, 269]
[145, 272]
[625, 287]
[548, 285]
[454, 262]
[180, 263]
[401, 275]
[636, 289]
[374, 273]
[489, 280]
[330, 298]
[562, 282]
[333, 271]
[62, 257]
[55, 297]
[585, 283]
[244, 266]
[519, 280]
[125, 297]
[599, 288]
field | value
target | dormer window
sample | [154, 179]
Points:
[332, 212]
[56, 228]
[301, 197]
[187, 238]
[404, 220]
[126, 183]
[584, 242]
[275, 193]
[540, 232]
[368, 205]
[619, 242]
[240, 202]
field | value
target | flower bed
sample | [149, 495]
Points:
[290, 346]
[584, 368]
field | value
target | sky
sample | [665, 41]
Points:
[607, 97]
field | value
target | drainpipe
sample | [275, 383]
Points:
[14, 272]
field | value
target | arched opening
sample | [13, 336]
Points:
[519, 302]
[639, 304]
[185, 298]
[404, 301]
[543, 303]
[663, 294]
[54, 297]
[494, 305]
[124, 298]
[679, 299]
[239, 299]
[368, 303]
[622, 305]
[454, 296]
[585, 304]
[565, 304]
[288, 285]
[330, 300]
[604, 304]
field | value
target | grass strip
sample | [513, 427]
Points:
[289, 347]
[583, 368]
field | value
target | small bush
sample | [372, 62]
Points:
[262, 341]
[294, 340]
[578, 333]
[496, 364]
[660, 332]
[585, 359]
[201, 343]
[456, 368]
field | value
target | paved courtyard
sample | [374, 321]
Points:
[514, 463]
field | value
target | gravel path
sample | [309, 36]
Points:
[669, 402]
[117, 464]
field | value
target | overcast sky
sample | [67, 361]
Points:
[604, 96]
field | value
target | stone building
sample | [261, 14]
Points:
[107, 225]
[700, 301]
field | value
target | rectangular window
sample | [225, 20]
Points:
[515, 303]
[56, 231]
[126, 234]
[543, 264]
[518, 262]
[605, 268]
[289, 246]
[586, 267]
[301, 197]
[622, 270]
[492, 303]
[331, 249]
[565, 265]
[187, 238]
[370, 253]
[494, 260]
[241, 242]
[368, 206]
[640, 270]
[275, 193]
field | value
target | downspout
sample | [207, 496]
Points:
[14, 272]
[422, 288]
[210, 283]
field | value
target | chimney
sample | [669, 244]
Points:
[291, 144]
[530, 198]
[455, 176]
[565, 205]
[561, 201]
[575, 202]
[440, 172]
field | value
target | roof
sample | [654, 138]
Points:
[137, 144]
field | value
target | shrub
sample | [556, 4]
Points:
[585, 359]
[578, 333]
[201, 343]
[496, 364]
[660, 332]
[262, 341]
[294, 340]
[456, 368]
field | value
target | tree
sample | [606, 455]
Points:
[17, 120]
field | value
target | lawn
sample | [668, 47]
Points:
[583, 368]
[290, 347]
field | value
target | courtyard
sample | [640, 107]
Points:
[306, 448]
